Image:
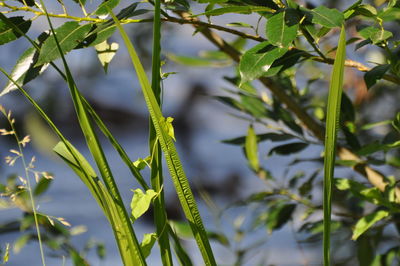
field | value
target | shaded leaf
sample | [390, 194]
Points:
[288, 148]
[375, 74]
[279, 215]
[8, 33]
[236, 10]
[260, 137]
[28, 2]
[42, 186]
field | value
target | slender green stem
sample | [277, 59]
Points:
[160, 216]
[32, 200]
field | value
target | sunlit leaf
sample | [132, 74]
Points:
[251, 149]
[140, 202]
[367, 221]
[258, 60]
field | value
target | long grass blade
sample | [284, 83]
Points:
[126, 239]
[160, 215]
[332, 127]
[178, 176]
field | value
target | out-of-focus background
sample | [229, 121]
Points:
[214, 169]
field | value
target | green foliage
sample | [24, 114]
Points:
[286, 51]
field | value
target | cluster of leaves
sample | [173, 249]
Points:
[296, 41]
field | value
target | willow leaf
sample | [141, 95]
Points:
[332, 126]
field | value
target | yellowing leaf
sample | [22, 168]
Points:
[141, 202]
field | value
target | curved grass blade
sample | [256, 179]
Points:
[90, 109]
[160, 215]
[178, 176]
[127, 242]
[332, 127]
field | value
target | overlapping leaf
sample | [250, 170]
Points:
[69, 35]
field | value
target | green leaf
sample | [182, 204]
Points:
[28, 2]
[367, 221]
[141, 202]
[106, 7]
[390, 14]
[25, 69]
[106, 52]
[281, 28]
[260, 138]
[251, 149]
[97, 35]
[288, 148]
[279, 215]
[286, 61]
[366, 10]
[253, 105]
[8, 34]
[375, 74]
[327, 17]
[258, 60]
[332, 127]
[359, 190]
[21, 242]
[148, 243]
[69, 35]
[239, 24]
[198, 61]
[140, 163]
[376, 35]
[42, 186]
[396, 122]
[236, 10]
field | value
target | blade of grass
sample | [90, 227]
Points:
[160, 215]
[126, 239]
[332, 127]
[178, 176]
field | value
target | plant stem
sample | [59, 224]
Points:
[27, 176]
